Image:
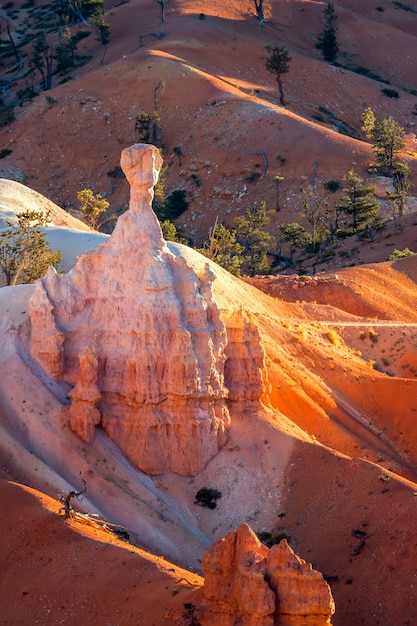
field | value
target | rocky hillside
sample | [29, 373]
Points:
[224, 135]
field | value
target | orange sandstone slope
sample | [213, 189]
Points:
[57, 572]
[216, 101]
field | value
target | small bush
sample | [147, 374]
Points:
[269, 540]
[400, 254]
[373, 335]
[5, 152]
[332, 185]
[202, 16]
[175, 205]
[207, 497]
[252, 178]
[391, 93]
[332, 336]
[404, 7]
[365, 71]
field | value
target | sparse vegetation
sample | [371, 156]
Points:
[251, 233]
[401, 254]
[269, 539]
[5, 152]
[358, 204]
[170, 233]
[278, 64]
[333, 337]
[332, 185]
[146, 127]
[224, 249]
[327, 41]
[25, 254]
[189, 615]
[92, 206]
[388, 138]
[175, 204]
[390, 93]
[207, 497]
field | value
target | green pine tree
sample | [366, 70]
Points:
[358, 204]
[25, 254]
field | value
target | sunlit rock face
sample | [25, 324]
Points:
[137, 334]
[248, 584]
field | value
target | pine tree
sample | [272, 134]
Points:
[401, 178]
[257, 242]
[359, 204]
[92, 206]
[388, 136]
[278, 64]
[316, 211]
[224, 249]
[296, 235]
[327, 40]
[24, 252]
[368, 122]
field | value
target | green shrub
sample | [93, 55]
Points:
[175, 205]
[5, 152]
[391, 93]
[400, 254]
[207, 497]
[269, 540]
[332, 185]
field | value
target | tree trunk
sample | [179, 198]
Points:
[259, 10]
[281, 91]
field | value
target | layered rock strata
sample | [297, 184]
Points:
[248, 584]
[138, 336]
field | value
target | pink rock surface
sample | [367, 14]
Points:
[250, 585]
[136, 333]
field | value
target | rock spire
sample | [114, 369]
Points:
[247, 583]
[137, 335]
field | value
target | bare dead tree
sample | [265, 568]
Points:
[162, 4]
[66, 500]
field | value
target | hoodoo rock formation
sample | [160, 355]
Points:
[249, 584]
[139, 338]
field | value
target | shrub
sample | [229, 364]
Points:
[332, 337]
[373, 335]
[391, 93]
[400, 254]
[269, 540]
[332, 185]
[253, 177]
[5, 152]
[207, 497]
[176, 204]
[318, 117]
